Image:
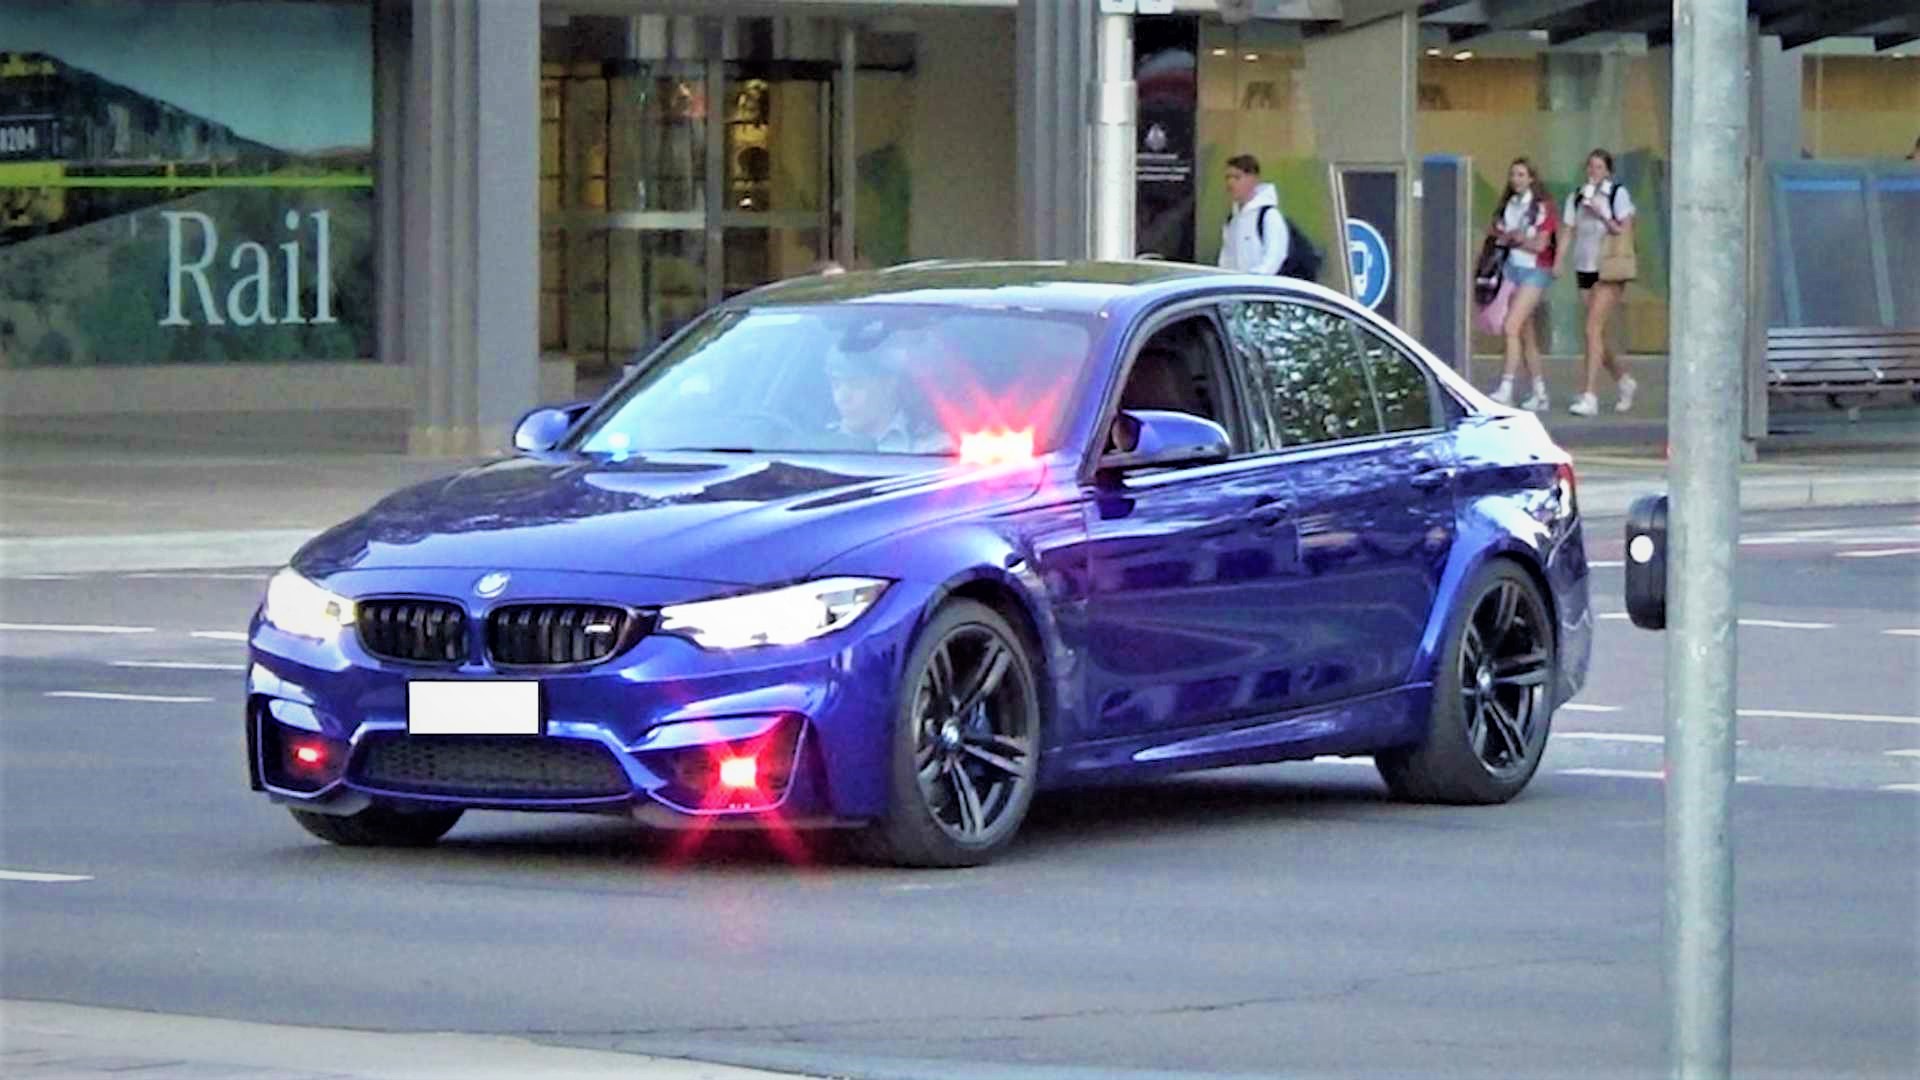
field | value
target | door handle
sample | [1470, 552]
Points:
[1431, 479]
[1267, 514]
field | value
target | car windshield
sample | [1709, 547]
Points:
[872, 378]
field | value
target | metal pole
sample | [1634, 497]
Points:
[1710, 138]
[1113, 120]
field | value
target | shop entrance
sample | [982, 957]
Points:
[670, 184]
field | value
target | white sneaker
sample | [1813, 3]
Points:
[1628, 386]
[1585, 405]
[1503, 395]
[1538, 402]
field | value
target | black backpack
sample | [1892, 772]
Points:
[1303, 259]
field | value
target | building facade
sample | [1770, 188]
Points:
[428, 214]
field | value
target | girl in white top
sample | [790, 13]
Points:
[1600, 208]
[1524, 225]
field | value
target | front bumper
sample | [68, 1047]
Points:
[638, 735]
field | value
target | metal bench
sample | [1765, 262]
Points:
[1846, 364]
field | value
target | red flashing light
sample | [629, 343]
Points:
[740, 773]
[309, 755]
[998, 447]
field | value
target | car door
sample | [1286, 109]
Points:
[1357, 423]
[1185, 566]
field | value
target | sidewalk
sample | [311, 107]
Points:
[44, 1041]
[208, 498]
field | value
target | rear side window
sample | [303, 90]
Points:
[1305, 371]
[1399, 384]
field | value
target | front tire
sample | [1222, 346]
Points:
[378, 827]
[1492, 698]
[966, 744]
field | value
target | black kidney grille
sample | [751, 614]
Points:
[549, 635]
[416, 631]
[490, 766]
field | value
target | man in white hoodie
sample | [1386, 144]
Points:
[1255, 238]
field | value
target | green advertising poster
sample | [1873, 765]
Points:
[187, 182]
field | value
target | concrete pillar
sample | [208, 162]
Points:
[1363, 85]
[465, 164]
[1054, 46]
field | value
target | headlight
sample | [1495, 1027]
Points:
[298, 606]
[777, 617]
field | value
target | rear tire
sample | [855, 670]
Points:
[378, 826]
[965, 744]
[1492, 698]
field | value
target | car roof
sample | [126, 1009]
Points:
[1084, 287]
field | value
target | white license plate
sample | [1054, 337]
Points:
[473, 708]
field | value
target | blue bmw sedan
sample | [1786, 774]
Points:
[891, 552]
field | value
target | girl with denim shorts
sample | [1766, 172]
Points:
[1526, 225]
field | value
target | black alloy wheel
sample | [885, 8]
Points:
[1492, 698]
[967, 743]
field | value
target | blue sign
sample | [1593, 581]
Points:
[1370, 264]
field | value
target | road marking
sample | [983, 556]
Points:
[45, 577]
[152, 699]
[1900, 787]
[1903, 753]
[1782, 624]
[1638, 774]
[1902, 633]
[1621, 615]
[178, 665]
[73, 628]
[1879, 554]
[1330, 759]
[1574, 706]
[1611, 736]
[220, 635]
[45, 879]
[1853, 718]
[1607, 564]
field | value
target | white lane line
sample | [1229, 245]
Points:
[1621, 615]
[1638, 774]
[177, 665]
[1903, 753]
[1901, 787]
[46, 577]
[72, 628]
[220, 635]
[1852, 718]
[1902, 633]
[1574, 706]
[1611, 736]
[45, 879]
[152, 699]
[1329, 759]
[1783, 624]
[1881, 554]
[1607, 564]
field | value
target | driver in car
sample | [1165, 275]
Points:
[870, 393]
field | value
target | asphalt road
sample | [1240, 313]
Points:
[1285, 920]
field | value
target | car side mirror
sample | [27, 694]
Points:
[543, 428]
[1153, 439]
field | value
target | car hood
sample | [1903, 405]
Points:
[733, 519]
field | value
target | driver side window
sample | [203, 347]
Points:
[1180, 369]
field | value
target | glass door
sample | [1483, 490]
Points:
[775, 146]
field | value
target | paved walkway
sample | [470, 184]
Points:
[45, 1041]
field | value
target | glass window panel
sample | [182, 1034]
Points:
[1307, 368]
[1400, 387]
